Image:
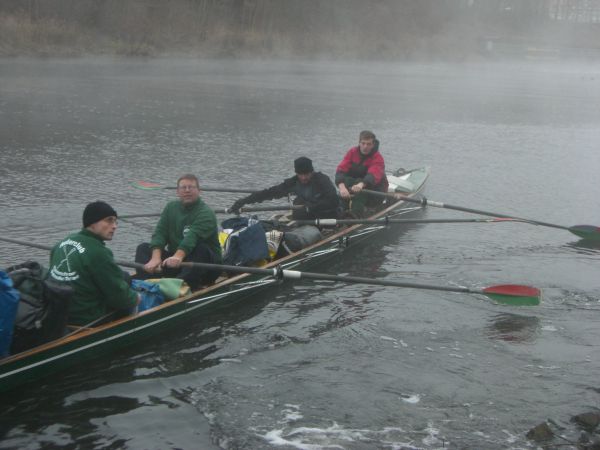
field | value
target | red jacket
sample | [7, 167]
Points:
[370, 169]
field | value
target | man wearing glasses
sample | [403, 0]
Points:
[186, 231]
[84, 262]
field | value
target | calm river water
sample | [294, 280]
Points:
[320, 365]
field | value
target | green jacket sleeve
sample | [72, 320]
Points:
[159, 237]
[203, 227]
[109, 278]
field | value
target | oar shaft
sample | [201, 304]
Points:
[296, 275]
[219, 189]
[226, 210]
[511, 294]
[25, 243]
[153, 186]
[386, 221]
[261, 208]
[48, 248]
[487, 213]
[425, 202]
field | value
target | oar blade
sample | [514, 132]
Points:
[589, 232]
[514, 294]
[146, 185]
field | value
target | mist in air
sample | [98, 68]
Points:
[499, 98]
[329, 29]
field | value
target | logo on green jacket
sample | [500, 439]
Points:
[63, 270]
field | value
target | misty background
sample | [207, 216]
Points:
[501, 99]
[389, 29]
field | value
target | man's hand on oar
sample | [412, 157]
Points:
[149, 186]
[583, 231]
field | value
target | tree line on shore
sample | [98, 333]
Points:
[327, 28]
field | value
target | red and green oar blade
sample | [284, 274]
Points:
[514, 294]
[148, 185]
[588, 232]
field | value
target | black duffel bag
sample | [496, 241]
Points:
[43, 306]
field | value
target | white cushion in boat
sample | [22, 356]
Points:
[400, 184]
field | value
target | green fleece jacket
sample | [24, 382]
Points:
[83, 261]
[184, 226]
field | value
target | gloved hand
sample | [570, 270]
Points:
[235, 208]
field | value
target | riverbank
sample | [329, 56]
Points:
[51, 37]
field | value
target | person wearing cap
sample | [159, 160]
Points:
[313, 190]
[186, 232]
[363, 167]
[83, 261]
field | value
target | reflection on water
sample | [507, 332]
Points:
[586, 246]
[514, 328]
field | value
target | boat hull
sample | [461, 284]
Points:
[94, 342]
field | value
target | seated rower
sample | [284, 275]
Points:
[186, 231]
[314, 191]
[84, 262]
[363, 167]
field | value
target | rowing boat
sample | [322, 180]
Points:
[87, 343]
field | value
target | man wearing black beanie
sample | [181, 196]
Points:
[83, 261]
[313, 190]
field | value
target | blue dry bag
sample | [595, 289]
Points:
[247, 244]
[9, 300]
[150, 293]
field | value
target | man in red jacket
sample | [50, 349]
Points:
[362, 167]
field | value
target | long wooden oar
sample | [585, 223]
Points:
[148, 185]
[583, 231]
[510, 294]
[386, 221]
[227, 210]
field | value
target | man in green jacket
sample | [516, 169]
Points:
[186, 231]
[83, 261]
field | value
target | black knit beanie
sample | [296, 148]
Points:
[303, 165]
[97, 211]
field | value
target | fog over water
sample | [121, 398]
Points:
[320, 365]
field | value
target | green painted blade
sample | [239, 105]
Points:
[590, 232]
[514, 294]
[146, 185]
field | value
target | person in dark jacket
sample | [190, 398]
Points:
[363, 167]
[83, 261]
[186, 231]
[313, 190]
